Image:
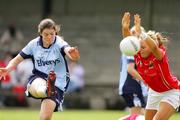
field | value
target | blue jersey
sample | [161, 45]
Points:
[47, 59]
[127, 84]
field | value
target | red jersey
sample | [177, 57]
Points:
[156, 73]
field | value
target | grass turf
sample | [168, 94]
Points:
[29, 114]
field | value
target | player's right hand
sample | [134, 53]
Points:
[3, 73]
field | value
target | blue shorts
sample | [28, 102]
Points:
[134, 100]
[58, 98]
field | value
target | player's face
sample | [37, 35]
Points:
[144, 50]
[48, 36]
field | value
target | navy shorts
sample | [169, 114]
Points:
[58, 98]
[134, 100]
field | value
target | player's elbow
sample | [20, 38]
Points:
[130, 70]
[157, 53]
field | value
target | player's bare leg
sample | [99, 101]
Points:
[149, 114]
[137, 110]
[47, 109]
[48, 105]
[165, 111]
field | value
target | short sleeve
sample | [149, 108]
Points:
[26, 52]
[130, 59]
[62, 44]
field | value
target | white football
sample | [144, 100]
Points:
[130, 45]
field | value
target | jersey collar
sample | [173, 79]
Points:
[41, 43]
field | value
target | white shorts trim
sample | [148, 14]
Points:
[171, 97]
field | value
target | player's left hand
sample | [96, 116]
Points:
[137, 24]
[74, 53]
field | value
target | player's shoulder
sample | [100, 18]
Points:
[60, 41]
[163, 50]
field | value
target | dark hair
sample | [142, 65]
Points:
[48, 23]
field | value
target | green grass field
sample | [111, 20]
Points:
[29, 114]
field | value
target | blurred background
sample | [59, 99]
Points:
[95, 27]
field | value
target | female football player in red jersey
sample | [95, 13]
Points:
[152, 64]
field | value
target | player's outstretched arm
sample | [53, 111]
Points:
[126, 24]
[11, 65]
[72, 53]
[152, 43]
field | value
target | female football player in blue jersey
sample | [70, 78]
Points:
[50, 74]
